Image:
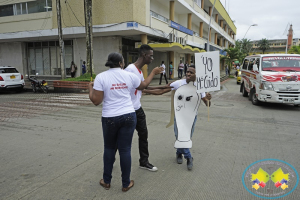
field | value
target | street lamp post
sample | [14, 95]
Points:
[248, 29]
[246, 34]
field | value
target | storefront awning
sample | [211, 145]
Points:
[164, 47]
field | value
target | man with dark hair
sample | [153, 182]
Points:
[190, 76]
[145, 58]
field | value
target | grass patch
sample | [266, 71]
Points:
[85, 77]
[231, 76]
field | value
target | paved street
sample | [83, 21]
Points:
[51, 147]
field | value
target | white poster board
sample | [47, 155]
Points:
[207, 71]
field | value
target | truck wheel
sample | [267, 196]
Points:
[253, 97]
[245, 93]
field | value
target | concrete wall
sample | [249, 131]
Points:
[26, 22]
[102, 47]
[104, 12]
[13, 54]
[159, 8]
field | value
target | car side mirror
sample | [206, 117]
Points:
[255, 68]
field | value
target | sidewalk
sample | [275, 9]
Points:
[154, 82]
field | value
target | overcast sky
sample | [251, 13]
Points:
[271, 16]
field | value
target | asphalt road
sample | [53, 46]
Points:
[51, 147]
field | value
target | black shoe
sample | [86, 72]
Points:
[179, 158]
[149, 167]
[190, 163]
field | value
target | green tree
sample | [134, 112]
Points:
[263, 45]
[244, 47]
[294, 50]
[232, 55]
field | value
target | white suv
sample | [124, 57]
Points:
[10, 78]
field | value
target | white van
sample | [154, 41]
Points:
[271, 78]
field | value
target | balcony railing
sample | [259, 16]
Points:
[158, 16]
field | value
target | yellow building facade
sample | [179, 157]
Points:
[175, 30]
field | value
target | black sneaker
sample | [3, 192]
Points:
[149, 167]
[190, 163]
[179, 158]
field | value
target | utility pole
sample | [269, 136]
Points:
[207, 46]
[89, 35]
[61, 41]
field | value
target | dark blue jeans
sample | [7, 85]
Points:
[117, 134]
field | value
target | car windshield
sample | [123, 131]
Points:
[281, 63]
[8, 70]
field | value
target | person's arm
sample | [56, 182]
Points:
[95, 96]
[159, 87]
[144, 84]
[158, 91]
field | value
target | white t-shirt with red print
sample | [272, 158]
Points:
[117, 86]
[135, 94]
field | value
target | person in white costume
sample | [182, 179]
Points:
[190, 77]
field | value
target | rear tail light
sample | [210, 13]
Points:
[1, 79]
[22, 77]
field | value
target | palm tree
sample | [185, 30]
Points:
[294, 50]
[232, 55]
[263, 44]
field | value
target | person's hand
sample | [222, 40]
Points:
[91, 85]
[208, 96]
[158, 70]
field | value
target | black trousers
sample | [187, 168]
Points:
[141, 127]
[161, 75]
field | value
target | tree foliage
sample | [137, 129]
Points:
[294, 50]
[263, 44]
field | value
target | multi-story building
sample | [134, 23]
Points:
[175, 29]
[277, 46]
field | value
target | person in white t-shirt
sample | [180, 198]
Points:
[145, 58]
[113, 87]
[190, 76]
[163, 73]
[180, 69]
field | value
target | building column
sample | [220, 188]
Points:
[189, 59]
[189, 22]
[172, 10]
[221, 23]
[209, 11]
[209, 35]
[216, 38]
[172, 56]
[144, 40]
[202, 4]
[217, 18]
[201, 29]
[221, 41]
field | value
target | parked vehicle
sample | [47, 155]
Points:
[271, 78]
[37, 85]
[11, 79]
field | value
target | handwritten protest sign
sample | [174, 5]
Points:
[207, 71]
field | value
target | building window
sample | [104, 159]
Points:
[44, 57]
[6, 10]
[158, 16]
[26, 8]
